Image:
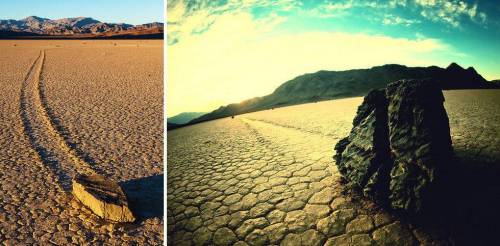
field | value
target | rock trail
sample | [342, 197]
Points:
[43, 131]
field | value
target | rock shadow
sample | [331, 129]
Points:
[145, 196]
[466, 204]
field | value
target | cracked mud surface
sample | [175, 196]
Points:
[47, 136]
[268, 178]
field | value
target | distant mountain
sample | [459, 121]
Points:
[326, 85]
[73, 27]
[171, 126]
[184, 118]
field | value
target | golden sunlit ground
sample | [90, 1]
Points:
[269, 178]
[64, 103]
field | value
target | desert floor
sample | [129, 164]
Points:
[73, 105]
[269, 178]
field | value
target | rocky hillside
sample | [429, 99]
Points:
[79, 26]
[184, 118]
[326, 85]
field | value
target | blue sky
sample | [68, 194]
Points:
[225, 51]
[114, 11]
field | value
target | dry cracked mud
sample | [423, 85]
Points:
[72, 107]
[268, 178]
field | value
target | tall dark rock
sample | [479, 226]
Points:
[420, 141]
[399, 144]
[365, 152]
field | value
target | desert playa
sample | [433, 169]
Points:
[267, 178]
[75, 106]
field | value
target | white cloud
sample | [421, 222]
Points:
[450, 11]
[240, 57]
[329, 9]
[426, 2]
[333, 9]
[396, 20]
[183, 22]
[337, 6]
[394, 3]
[446, 11]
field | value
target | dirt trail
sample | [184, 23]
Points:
[44, 132]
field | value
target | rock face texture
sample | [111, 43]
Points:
[104, 197]
[399, 143]
[363, 156]
[420, 140]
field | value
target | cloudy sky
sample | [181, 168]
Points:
[222, 52]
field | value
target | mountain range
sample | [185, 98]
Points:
[327, 85]
[34, 26]
[184, 118]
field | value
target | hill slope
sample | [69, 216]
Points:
[184, 118]
[325, 85]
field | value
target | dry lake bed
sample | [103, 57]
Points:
[268, 178]
[71, 105]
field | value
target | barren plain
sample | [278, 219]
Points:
[268, 178]
[72, 106]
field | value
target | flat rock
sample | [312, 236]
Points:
[104, 197]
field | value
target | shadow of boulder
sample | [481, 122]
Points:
[145, 196]
[466, 204]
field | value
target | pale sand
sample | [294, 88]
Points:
[84, 104]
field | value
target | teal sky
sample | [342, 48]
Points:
[212, 36]
[113, 11]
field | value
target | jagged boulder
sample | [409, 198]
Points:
[399, 142]
[365, 152]
[104, 197]
[420, 141]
